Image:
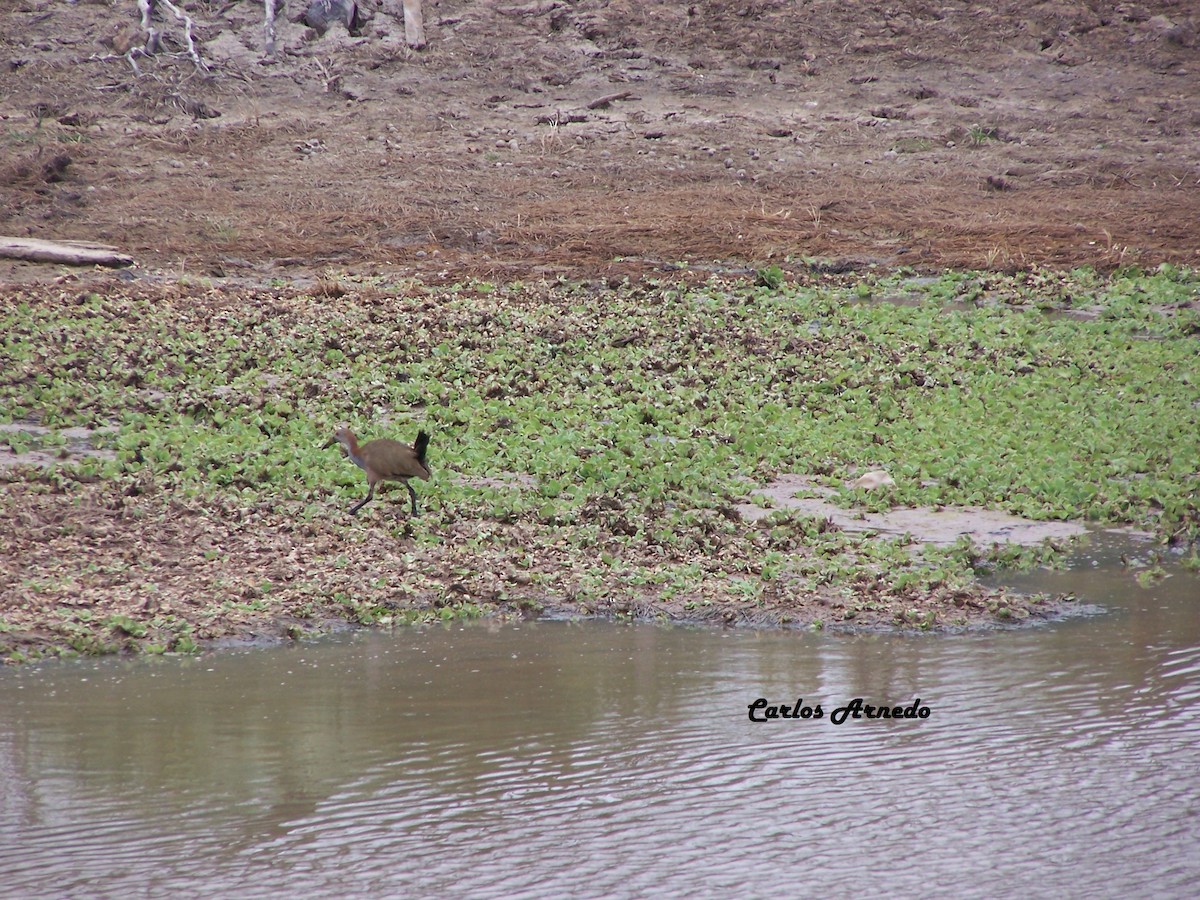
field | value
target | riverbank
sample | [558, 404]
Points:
[594, 447]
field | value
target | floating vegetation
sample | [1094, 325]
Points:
[592, 442]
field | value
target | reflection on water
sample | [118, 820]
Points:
[603, 760]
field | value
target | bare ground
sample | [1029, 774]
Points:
[926, 134]
[98, 568]
[589, 138]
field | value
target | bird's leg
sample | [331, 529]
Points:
[413, 495]
[363, 502]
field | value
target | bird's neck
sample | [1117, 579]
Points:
[350, 442]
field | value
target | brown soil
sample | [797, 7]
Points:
[929, 134]
[103, 567]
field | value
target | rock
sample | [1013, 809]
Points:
[1171, 32]
[873, 479]
[122, 40]
[324, 14]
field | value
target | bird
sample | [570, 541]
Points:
[385, 460]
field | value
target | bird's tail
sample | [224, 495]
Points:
[420, 445]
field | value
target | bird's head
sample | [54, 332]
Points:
[343, 436]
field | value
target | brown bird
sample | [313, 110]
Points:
[385, 460]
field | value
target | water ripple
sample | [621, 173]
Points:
[613, 762]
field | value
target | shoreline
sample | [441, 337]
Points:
[682, 452]
[180, 602]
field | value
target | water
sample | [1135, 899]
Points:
[599, 760]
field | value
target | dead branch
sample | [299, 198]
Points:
[608, 99]
[147, 9]
[188, 34]
[71, 253]
[154, 36]
[269, 10]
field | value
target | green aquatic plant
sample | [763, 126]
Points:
[616, 429]
[771, 276]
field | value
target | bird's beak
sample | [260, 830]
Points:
[330, 443]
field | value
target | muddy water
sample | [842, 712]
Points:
[599, 760]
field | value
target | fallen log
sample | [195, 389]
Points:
[71, 253]
[609, 99]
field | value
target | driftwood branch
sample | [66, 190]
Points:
[147, 9]
[269, 10]
[188, 35]
[608, 99]
[154, 36]
[71, 253]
